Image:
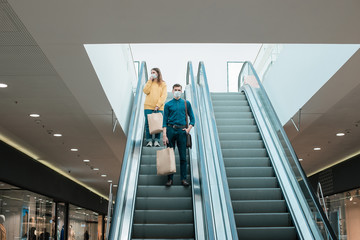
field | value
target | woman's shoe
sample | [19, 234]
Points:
[169, 183]
[156, 144]
[149, 144]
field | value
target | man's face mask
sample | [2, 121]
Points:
[177, 94]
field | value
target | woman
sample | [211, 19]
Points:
[156, 93]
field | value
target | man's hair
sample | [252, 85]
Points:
[177, 85]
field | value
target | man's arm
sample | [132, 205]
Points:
[191, 115]
[165, 120]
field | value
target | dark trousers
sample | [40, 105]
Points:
[178, 136]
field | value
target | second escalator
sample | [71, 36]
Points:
[260, 210]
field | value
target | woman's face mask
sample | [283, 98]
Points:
[177, 94]
[153, 75]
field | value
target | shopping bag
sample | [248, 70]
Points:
[155, 121]
[165, 161]
[188, 141]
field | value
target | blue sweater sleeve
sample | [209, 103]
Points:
[190, 113]
[166, 115]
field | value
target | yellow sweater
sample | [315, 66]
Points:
[155, 95]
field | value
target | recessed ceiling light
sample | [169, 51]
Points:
[340, 134]
[317, 148]
[74, 149]
[3, 85]
[104, 175]
[115, 185]
[300, 159]
[109, 181]
[34, 115]
[57, 135]
[86, 160]
[96, 169]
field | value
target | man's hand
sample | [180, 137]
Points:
[187, 130]
[156, 108]
[165, 140]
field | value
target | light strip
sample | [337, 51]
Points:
[333, 164]
[71, 178]
[18, 147]
[36, 157]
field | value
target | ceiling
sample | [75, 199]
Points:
[44, 62]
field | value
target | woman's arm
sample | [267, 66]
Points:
[147, 87]
[163, 96]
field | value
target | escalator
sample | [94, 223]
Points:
[162, 212]
[259, 208]
[260, 179]
[145, 208]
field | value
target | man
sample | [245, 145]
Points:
[174, 129]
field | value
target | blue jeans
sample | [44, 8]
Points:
[148, 136]
[178, 136]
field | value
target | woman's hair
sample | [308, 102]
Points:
[159, 78]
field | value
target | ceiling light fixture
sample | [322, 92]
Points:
[96, 169]
[109, 181]
[57, 135]
[300, 159]
[317, 149]
[34, 115]
[3, 85]
[340, 134]
[74, 149]
[115, 185]
[86, 160]
[104, 175]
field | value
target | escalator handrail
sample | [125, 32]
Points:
[223, 188]
[133, 141]
[207, 219]
[288, 145]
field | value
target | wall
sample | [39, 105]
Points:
[172, 60]
[114, 66]
[300, 71]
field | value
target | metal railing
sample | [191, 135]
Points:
[122, 219]
[213, 169]
[195, 158]
[307, 212]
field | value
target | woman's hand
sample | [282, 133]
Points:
[156, 108]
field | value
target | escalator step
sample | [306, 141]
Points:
[252, 182]
[163, 203]
[235, 115]
[263, 219]
[261, 152]
[239, 144]
[163, 217]
[238, 129]
[259, 206]
[225, 103]
[151, 159]
[146, 180]
[227, 96]
[255, 194]
[247, 162]
[234, 108]
[268, 233]
[151, 169]
[239, 136]
[249, 172]
[234, 121]
[163, 191]
[163, 230]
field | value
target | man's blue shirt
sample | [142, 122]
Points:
[174, 113]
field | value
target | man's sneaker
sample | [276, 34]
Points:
[149, 144]
[156, 144]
